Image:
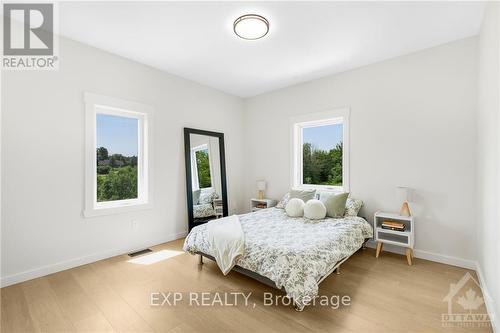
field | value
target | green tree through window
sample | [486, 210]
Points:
[322, 155]
[203, 166]
[321, 167]
[116, 176]
[117, 152]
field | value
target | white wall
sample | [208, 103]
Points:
[489, 156]
[413, 122]
[43, 159]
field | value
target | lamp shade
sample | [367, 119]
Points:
[403, 193]
[261, 185]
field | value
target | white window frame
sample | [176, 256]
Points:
[297, 124]
[99, 104]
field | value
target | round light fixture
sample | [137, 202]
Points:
[251, 26]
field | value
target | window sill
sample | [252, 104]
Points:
[323, 188]
[94, 212]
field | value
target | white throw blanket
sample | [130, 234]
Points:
[226, 240]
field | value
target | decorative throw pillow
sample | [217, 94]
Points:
[295, 207]
[207, 196]
[352, 206]
[334, 203]
[196, 197]
[305, 195]
[283, 201]
[314, 209]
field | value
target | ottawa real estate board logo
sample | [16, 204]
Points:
[466, 306]
[29, 36]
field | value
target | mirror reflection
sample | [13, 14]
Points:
[205, 177]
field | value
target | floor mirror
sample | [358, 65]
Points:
[205, 176]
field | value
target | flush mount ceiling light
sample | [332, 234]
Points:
[251, 26]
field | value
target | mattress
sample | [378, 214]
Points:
[295, 253]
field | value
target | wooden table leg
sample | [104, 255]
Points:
[379, 248]
[409, 254]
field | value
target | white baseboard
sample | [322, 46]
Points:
[441, 258]
[488, 300]
[61, 266]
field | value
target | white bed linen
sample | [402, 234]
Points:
[227, 241]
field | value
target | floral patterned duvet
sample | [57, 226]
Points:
[203, 210]
[295, 253]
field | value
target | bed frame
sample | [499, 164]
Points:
[269, 282]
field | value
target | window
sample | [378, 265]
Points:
[200, 161]
[117, 156]
[321, 150]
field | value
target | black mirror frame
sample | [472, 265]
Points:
[189, 183]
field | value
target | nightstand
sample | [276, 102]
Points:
[403, 238]
[258, 204]
[218, 208]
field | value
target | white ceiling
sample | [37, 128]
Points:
[307, 40]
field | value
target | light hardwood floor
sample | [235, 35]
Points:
[114, 295]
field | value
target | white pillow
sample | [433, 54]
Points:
[295, 207]
[314, 210]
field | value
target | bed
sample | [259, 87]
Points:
[294, 254]
[203, 205]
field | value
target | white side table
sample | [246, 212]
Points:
[404, 238]
[258, 204]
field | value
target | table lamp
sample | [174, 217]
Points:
[404, 195]
[261, 186]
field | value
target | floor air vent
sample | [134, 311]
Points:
[138, 253]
